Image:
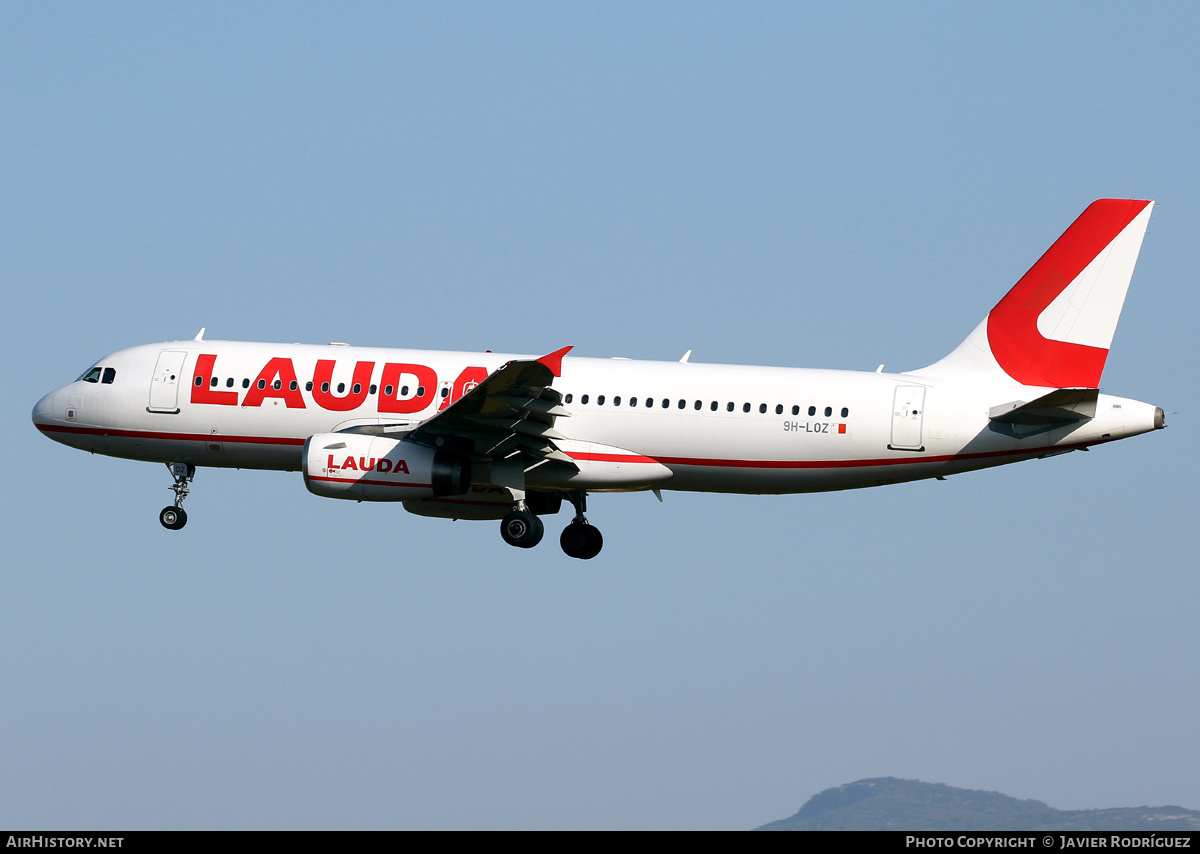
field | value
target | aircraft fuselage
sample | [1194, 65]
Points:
[718, 428]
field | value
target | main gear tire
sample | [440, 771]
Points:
[581, 540]
[522, 529]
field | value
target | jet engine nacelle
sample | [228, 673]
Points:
[377, 468]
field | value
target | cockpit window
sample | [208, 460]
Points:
[110, 374]
[92, 376]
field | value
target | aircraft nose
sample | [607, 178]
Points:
[43, 412]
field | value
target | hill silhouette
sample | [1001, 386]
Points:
[888, 803]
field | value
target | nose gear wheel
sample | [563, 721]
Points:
[173, 518]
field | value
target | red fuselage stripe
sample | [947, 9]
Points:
[833, 464]
[170, 437]
[371, 482]
[667, 461]
[612, 458]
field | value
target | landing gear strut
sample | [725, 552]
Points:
[522, 528]
[174, 517]
[579, 539]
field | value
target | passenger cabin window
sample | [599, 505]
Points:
[633, 401]
[246, 383]
[762, 407]
[584, 399]
[262, 384]
[308, 386]
[568, 398]
[828, 411]
[729, 406]
[110, 374]
[617, 400]
[779, 409]
[213, 382]
[795, 410]
[745, 407]
[229, 383]
[713, 407]
[845, 412]
[600, 400]
[199, 381]
[812, 410]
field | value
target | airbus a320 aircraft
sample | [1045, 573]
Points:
[489, 436]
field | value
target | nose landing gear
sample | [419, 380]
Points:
[174, 517]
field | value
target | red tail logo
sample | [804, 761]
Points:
[1018, 345]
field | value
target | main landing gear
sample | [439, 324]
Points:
[524, 529]
[174, 517]
[579, 539]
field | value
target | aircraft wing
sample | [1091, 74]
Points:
[510, 412]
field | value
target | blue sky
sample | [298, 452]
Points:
[809, 185]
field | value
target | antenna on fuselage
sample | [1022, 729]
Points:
[686, 356]
[200, 334]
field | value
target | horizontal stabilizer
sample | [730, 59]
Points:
[1064, 405]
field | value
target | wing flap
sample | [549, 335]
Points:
[528, 426]
[544, 407]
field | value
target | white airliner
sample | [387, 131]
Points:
[491, 436]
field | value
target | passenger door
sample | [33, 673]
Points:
[164, 384]
[908, 412]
